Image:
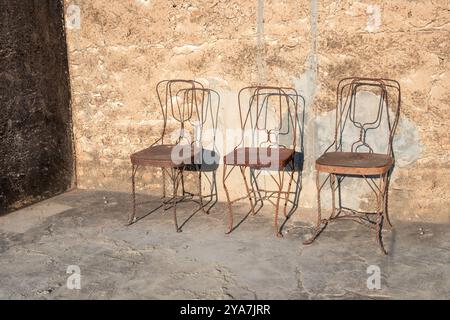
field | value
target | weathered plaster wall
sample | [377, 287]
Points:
[36, 158]
[123, 48]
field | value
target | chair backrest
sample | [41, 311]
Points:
[269, 117]
[204, 114]
[367, 114]
[181, 103]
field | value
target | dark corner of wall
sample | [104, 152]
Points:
[36, 147]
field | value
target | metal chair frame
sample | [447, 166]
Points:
[259, 103]
[346, 114]
[196, 104]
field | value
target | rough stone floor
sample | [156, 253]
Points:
[150, 260]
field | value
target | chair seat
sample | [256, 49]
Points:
[357, 163]
[259, 157]
[161, 156]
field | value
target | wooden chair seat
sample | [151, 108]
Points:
[259, 157]
[160, 156]
[354, 163]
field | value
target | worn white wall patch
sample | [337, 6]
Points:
[373, 18]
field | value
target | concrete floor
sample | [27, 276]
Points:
[150, 260]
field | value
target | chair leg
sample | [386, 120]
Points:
[132, 216]
[163, 182]
[166, 202]
[230, 211]
[183, 190]
[202, 205]
[277, 205]
[247, 188]
[386, 202]
[255, 188]
[177, 174]
[380, 213]
[289, 189]
[319, 228]
[214, 192]
[333, 194]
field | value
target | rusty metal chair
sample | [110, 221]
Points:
[349, 158]
[186, 105]
[265, 153]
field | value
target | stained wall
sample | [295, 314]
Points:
[119, 50]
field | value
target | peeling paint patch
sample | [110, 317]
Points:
[186, 49]
[260, 42]
[144, 2]
[73, 17]
[373, 18]
[407, 144]
[306, 85]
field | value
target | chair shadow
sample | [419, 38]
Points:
[245, 217]
[161, 205]
[189, 218]
[148, 213]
